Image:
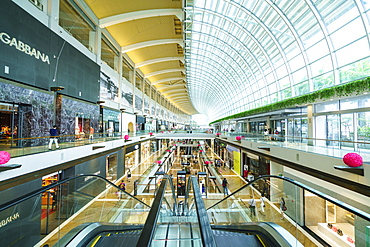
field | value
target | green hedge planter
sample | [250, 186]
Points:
[351, 88]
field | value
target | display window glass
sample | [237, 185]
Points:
[332, 223]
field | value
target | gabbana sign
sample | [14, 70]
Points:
[23, 47]
[9, 219]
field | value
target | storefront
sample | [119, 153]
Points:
[47, 197]
[145, 150]
[332, 223]
[109, 120]
[111, 167]
[132, 156]
[233, 158]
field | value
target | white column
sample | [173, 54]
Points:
[310, 124]
[53, 13]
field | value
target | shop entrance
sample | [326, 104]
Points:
[11, 124]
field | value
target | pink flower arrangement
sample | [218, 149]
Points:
[218, 134]
[352, 159]
[349, 239]
[168, 150]
[174, 145]
[238, 138]
[201, 151]
[159, 162]
[126, 137]
[150, 133]
[4, 157]
[198, 145]
[162, 132]
[206, 162]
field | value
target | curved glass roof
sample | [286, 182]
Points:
[243, 54]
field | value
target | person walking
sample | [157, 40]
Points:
[53, 137]
[129, 174]
[283, 208]
[262, 205]
[252, 206]
[110, 131]
[91, 136]
[122, 187]
[224, 185]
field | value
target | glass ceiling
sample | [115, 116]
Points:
[243, 54]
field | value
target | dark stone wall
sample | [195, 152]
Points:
[38, 116]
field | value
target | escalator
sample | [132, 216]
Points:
[172, 223]
[169, 222]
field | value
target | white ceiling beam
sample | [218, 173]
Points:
[130, 16]
[173, 93]
[164, 71]
[144, 44]
[158, 60]
[168, 79]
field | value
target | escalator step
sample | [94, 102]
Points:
[235, 239]
[127, 238]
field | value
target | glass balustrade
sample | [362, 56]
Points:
[46, 216]
[309, 215]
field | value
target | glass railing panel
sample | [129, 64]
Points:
[302, 211]
[65, 205]
[31, 145]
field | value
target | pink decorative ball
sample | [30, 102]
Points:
[201, 151]
[159, 162]
[352, 159]
[126, 137]
[151, 133]
[238, 138]
[218, 134]
[4, 157]
[206, 162]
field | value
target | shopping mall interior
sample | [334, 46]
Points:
[284, 156]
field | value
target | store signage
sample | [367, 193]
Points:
[9, 219]
[23, 47]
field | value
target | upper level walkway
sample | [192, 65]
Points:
[332, 148]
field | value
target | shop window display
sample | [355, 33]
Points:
[330, 222]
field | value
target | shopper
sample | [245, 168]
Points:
[54, 195]
[129, 174]
[53, 137]
[91, 136]
[262, 205]
[252, 206]
[110, 131]
[283, 208]
[224, 185]
[122, 187]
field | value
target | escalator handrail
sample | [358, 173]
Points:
[203, 220]
[174, 198]
[147, 233]
[320, 194]
[25, 197]
[274, 233]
